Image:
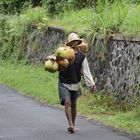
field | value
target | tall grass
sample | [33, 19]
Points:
[131, 24]
[36, 14]
[118, 17]
[109, 18]
[77, 21]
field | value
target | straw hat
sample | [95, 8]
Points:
[73, 39]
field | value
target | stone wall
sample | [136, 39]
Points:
[42, 44]
[114, 62]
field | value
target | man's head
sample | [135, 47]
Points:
[73, 40]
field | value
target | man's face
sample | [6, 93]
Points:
[74, 45]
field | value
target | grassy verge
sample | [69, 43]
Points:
[128, 121]
[31, 81]
[35, 82]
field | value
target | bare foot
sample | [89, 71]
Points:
[73, 129]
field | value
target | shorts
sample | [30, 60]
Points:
[65, 93]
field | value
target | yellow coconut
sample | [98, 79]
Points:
[83, 46]
[70, 54]
[63, 64]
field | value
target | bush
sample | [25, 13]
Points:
[16, 30]
[12, 6]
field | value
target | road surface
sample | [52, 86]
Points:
[22, 118]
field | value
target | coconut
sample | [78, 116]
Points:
[63, 64]
[51, 65]
[65, 53]
[61, 53]
[83, 46]
[70, 54]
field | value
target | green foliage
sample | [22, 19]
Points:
[105, 108]
[13, 37]
[131, 22]
[105, 20]
[110, 102]
[110, 17]
[12, 6]
[56, 7]
[75, 20]
[36, 14]
[15, 32]
[116, 18]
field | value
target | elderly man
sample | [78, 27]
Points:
[69, 81]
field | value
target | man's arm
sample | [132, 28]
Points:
[87, 75]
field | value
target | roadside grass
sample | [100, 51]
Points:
[128, 121]
[30, 80]
[35, 82]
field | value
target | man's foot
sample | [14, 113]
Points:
[73, 129]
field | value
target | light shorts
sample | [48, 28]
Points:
[65, 93]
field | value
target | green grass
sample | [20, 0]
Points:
[128, 121]
[119, 18]
[31, 80]
[76, 21]
[35, 82]
[131, 24]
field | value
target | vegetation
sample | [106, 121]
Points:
[37, 78]
[16, 32]
[106, 19]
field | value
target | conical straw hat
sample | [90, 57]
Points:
[73, 38]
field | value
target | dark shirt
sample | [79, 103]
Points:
[72, 74]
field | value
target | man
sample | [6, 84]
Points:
[69, 81]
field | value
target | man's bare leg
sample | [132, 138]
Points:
[68, 114]
[74, 112]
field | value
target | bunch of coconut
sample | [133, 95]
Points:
[65, 54]
[50, 63]
[60, 60]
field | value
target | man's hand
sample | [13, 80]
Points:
[93, 89]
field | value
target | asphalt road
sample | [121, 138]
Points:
[22, 118]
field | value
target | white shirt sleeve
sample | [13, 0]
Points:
[87, 74]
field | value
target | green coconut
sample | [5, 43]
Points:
[51, 65]
[65, 53]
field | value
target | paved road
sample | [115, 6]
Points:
[22, 118]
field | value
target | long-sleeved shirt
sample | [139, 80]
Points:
[87, 77]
